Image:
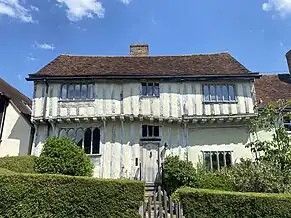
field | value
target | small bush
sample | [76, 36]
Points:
[219, 180]
[59, 196]
[62, 156]
[19, 164]
[178, 173]
[213, 203]
[258, 177]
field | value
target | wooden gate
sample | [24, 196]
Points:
[160, 205]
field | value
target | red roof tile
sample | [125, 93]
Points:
[270, 88]
[183, 65]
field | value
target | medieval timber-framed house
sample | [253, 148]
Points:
[128, 111]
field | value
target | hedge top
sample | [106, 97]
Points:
[30, 176]
[219, 192]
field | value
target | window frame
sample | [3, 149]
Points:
[84, 130]
[77, 96]
[155, 89]
[154, 129]
[217, 153]
[207, 94]
[288, 129]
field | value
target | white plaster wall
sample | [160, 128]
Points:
[120, 144]
[115, 98]
[16, 134]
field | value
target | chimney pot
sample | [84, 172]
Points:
[139, 50]
[288, 57]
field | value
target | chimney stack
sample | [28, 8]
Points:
[139, 50]
[288, 57]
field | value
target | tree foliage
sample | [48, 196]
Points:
[278, 150]
[62, 156]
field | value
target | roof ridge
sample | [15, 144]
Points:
[128, 56]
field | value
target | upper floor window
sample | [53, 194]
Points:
[149, 131]
[77, 91]
[150, 89]
[219, 93]
[215, 160]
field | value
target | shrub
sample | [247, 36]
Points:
[19, 164]
[5, 171]
[178, 173]
[62, 156]
[59, 196]
[260, 177]
[213, 203]
[219, 180]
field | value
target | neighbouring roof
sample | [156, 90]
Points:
[183, 65]
[22, 102]
[274, 87]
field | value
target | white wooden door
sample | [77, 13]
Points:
[150, 162]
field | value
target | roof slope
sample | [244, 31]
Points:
[183, 65]
[16, 97]
[273, 88]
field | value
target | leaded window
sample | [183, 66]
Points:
[219, 93]
[150, 89]
[215, 160]
[77, 91]
[88, 139]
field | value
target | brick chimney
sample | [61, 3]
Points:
[139, 50]
[288, 57]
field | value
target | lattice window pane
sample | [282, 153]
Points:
[87, 141]
[96, 141]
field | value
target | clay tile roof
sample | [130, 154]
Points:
[271, 88]
[183, 65]
[22, 102]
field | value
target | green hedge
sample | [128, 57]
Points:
[19, 164]
[204, 203]
[42, 195]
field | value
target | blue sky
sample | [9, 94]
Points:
[33, 32]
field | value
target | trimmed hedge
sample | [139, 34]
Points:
[5, 171]
[19, 164]
[59, 196]
[204, 203]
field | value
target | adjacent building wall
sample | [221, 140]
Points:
[16, 134]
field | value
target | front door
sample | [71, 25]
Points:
[150, 162]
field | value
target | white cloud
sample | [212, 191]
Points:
[30, 58]
[33, 8]
[282, 7]
[14, 9]
[44, 46]
[126, 1]
[77, 9]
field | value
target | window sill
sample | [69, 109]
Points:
[76, 100]
[220, 102]
[149, 96]
[150, 139]
[94, 155]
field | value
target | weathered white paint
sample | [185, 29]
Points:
[120, 144]
[16, 133]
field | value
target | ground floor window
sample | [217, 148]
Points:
[287, 124]
[215, 160]
[88, 139]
